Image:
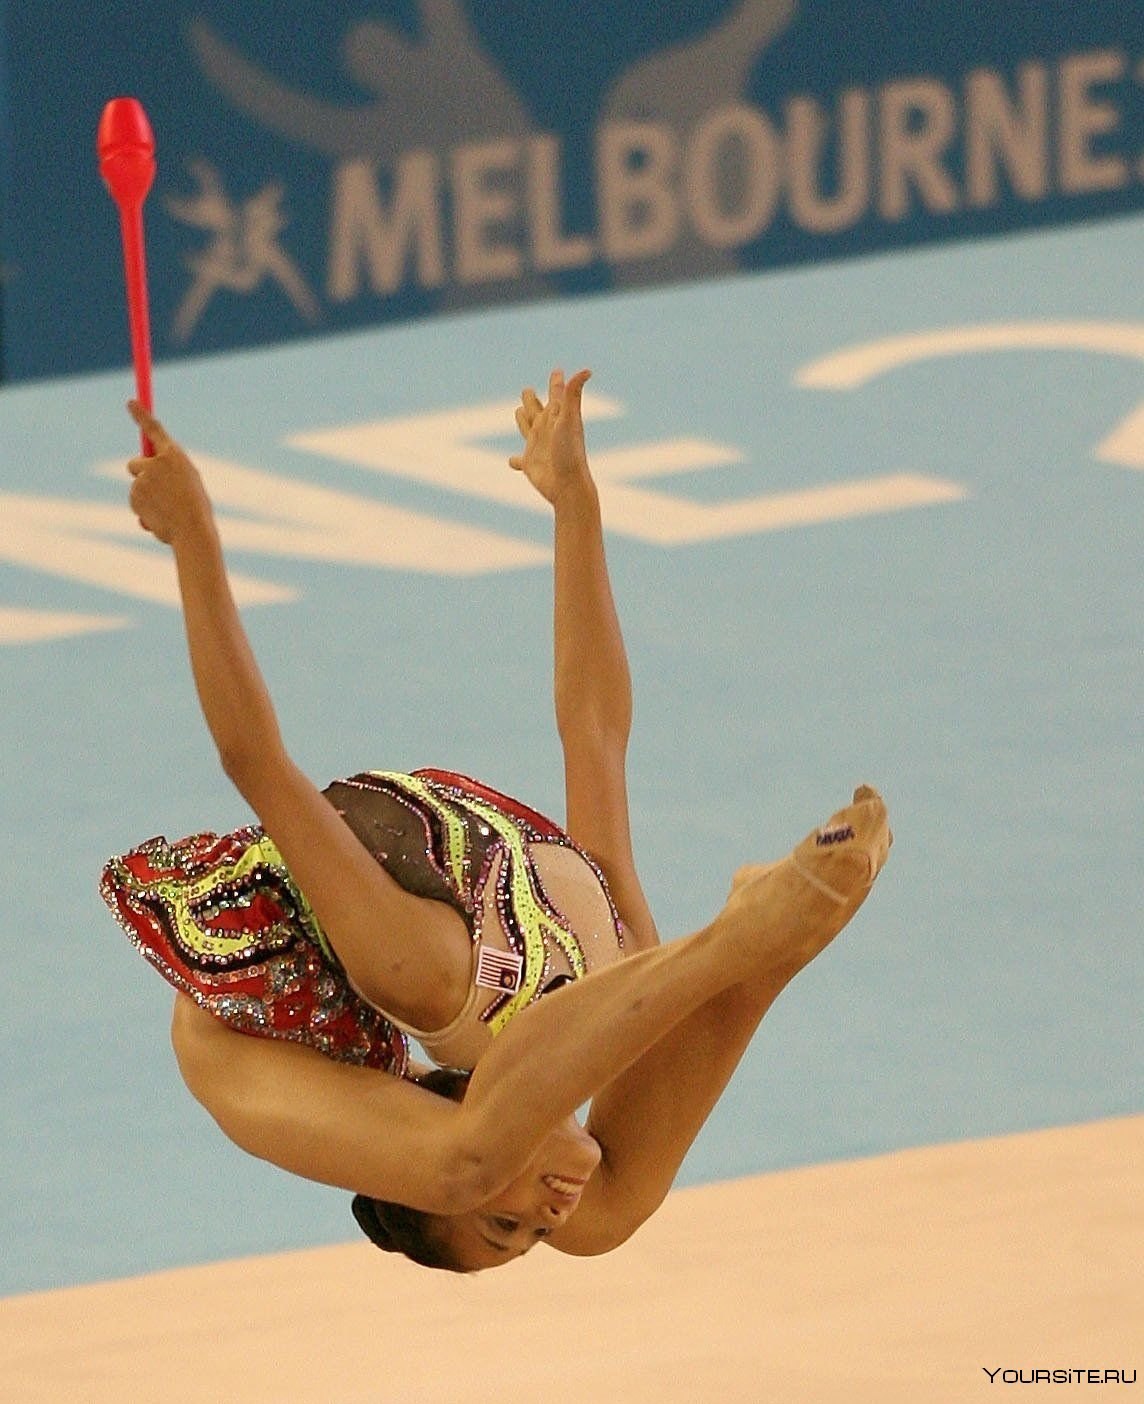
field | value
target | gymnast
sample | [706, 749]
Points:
[308, 949]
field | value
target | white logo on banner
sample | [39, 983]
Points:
[244, 249]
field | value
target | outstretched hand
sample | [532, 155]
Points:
[167, 494]
[554, 458]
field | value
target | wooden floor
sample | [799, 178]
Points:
[901, 1278]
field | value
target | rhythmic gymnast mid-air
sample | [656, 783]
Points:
[306, 950]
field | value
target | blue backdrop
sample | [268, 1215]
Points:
[331, 165]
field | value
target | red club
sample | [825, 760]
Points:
[126, 150]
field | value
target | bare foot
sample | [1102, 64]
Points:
[796, 907]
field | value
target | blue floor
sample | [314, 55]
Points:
[979, 657]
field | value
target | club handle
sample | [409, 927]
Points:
[135, 275]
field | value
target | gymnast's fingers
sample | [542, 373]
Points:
[574, 390]
[150, 426]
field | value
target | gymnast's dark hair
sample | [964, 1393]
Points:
[397, 1228]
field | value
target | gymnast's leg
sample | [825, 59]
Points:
[649, 1116]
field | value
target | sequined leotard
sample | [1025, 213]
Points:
[223, 921]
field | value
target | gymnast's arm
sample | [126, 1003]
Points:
[358, 1129]
[342, 883]
[593, 689]
[370, 1132]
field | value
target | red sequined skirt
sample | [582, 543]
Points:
[221, 919]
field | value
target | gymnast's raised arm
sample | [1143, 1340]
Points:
[352, 897]
[168, 497]
[593, 689]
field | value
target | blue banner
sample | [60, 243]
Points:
[331, 165]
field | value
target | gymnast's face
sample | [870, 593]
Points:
[533, 1207]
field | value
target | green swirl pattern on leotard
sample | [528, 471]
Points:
[536, 920]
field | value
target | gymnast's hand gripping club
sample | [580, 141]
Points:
[126, 149]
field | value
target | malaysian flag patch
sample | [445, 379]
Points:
[499, 970]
